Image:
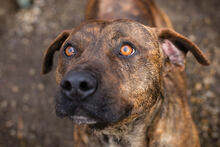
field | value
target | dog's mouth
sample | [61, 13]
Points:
[80, 116]
[83, 120]
[95, 113]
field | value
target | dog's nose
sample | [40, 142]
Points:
[79, 85]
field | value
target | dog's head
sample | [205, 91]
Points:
[108, 71]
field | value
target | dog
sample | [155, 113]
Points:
[121, 77]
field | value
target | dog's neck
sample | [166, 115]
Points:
[134, 134]
[174, 124]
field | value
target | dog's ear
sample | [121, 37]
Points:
[49, 53]
[175, 47]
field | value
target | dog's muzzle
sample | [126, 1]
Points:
[81, 97]
[76, 87]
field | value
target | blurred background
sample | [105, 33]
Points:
[27, 116]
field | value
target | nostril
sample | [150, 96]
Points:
[84, 86]
[66, 85]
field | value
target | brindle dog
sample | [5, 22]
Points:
[122, 82]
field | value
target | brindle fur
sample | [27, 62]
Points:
[142, 97]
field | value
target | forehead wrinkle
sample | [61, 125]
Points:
[87, 35]
[117, 35]
[82, 35]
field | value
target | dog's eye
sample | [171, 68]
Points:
[69, 51]
[127, 50]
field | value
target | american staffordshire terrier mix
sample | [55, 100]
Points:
[121, 77]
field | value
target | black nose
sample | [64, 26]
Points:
[78, 85]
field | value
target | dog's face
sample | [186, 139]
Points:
[111, 72]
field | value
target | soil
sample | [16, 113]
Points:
[27, 116]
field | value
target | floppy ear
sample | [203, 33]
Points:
[49, 53]
[175, 47]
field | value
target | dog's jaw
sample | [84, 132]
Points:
[81, 117]
[83, 120]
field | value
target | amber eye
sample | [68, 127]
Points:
[126, 50]
[69, 51]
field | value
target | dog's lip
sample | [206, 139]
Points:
[80, 116]
[83, 119]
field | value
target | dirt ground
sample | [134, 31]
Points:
[27, 116]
